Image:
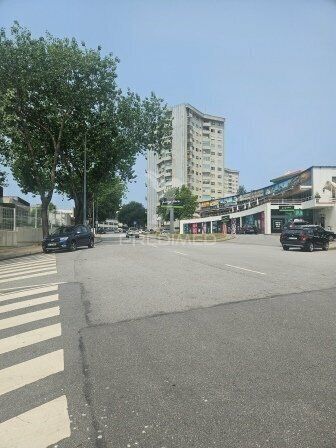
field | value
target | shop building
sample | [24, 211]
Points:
[308, 194]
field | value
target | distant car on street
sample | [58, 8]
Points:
[249, 229]
[101, 231]
[132, 232]
[306, 238]
[295, 222]
[68, 238]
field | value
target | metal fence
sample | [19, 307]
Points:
[12, 217]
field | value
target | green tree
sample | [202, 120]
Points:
[108, 201]
[131, 213]
[54, 95]
[52, 207]
[45, 84]
[187, 200]
[241, 189]
[2, 179]
[116, 131]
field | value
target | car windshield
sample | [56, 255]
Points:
[63, 230]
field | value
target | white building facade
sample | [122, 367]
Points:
[196, 159]
[309, 194]
[231, 181]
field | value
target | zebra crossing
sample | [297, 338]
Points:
[29, 316]
[28, 267]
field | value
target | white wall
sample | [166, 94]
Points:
[23, 235]
[320, 175]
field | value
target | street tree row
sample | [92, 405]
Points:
[58, 97]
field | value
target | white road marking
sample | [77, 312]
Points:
[28, 303]
[26, 271]
[18, 261]
[244, 269]
[181, 253]
[28, 372]
[27, 267]
[27, 276]
[22, 262]
[38, 428]
[28, 292]
[29, 338]
[26, 318]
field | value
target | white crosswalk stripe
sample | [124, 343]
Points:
[29, 267]
[38, 428]
[31, 315]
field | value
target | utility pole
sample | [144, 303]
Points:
[171, 218]
[84, 186]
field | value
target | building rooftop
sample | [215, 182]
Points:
[287, 175]
[203, 114]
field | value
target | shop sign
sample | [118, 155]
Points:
[286, 208]
[226, 218]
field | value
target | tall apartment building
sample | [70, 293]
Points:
[196, 159]
[231, 181]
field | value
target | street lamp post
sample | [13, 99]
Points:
[84, 186]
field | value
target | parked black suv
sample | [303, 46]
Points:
[68, 238]
[305, 237]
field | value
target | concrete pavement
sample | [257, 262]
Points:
[184, 345]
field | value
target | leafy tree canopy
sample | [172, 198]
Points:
[241, 189]
[109, 199]
[55, 96]
[186, 199]
[131, 213]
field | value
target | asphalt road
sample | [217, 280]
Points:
[174, 345]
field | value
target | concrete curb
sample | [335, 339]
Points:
[15, 253]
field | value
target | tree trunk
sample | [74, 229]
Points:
[45, 201]
[78, 199]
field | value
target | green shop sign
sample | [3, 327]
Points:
[286, 208]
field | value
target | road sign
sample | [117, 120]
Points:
[286, 208]
[170, 202]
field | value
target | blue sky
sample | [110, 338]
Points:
[269, 67]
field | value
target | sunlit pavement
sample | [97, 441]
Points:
[194, 345]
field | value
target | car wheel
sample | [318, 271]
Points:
[325, 246]
[331, 238]
[285, 247]
[73, 246]
[91, 244]
[45, 250]
[310, 247]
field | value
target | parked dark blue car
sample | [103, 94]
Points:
[68, 238]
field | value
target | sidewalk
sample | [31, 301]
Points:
[14, 252]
